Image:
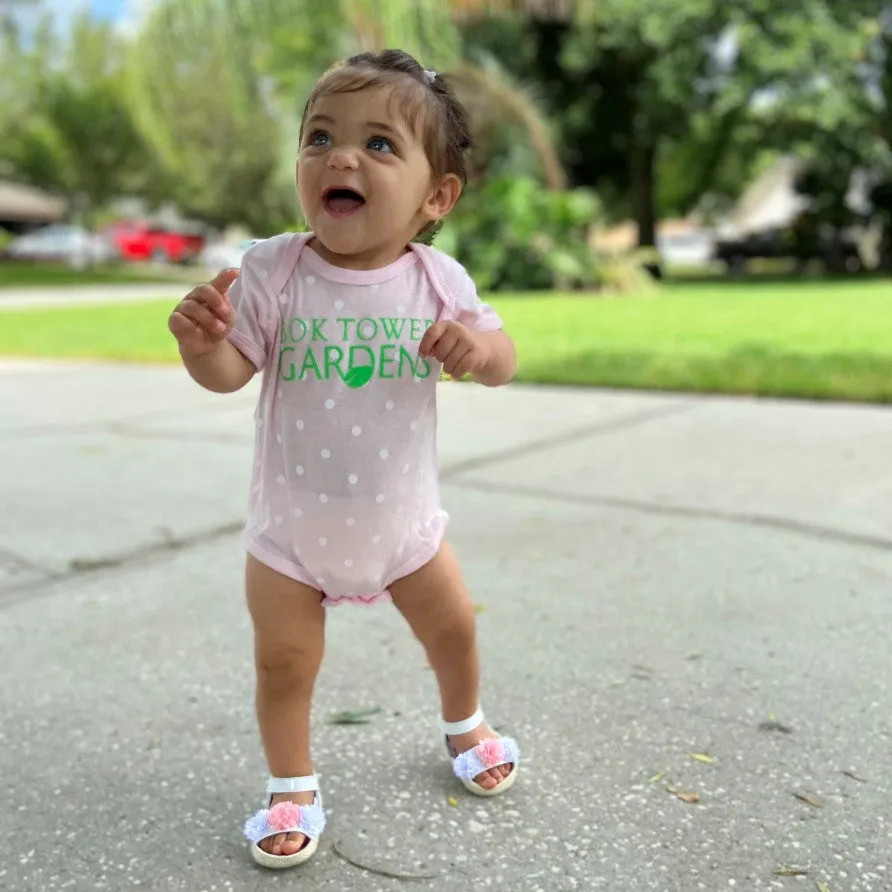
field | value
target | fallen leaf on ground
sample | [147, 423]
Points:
[823, 887]
[658, 777]
[453, 801]
[790, 872]
[774, 725]
[690, 798]
[854, 777]
[703, 757]
[354, 716]
[813, 801]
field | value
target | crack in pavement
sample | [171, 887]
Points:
[79, 567]
[762, 521]
[532, 447]
[10, 558]
[453, 474]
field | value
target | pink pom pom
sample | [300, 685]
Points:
[283, 816]
[491, 752]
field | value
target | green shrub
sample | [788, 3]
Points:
[513, 234]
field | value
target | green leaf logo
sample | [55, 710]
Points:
[359, 376]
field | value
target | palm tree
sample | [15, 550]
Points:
[253, 66]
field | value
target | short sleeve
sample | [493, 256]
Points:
[472, 312]
[463, 304]
[256, 312]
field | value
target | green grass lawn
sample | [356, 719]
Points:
[810, 339]
[14, 274]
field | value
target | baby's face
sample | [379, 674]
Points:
[363, 177]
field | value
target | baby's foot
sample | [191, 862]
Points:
[287, 843]
[461, 743]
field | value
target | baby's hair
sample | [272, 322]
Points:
[426, 101]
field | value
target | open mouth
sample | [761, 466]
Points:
[341, 202]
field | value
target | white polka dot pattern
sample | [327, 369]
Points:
[345, 489]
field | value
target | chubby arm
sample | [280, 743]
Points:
[221, 370]
[488, 356]
[501, 366]
[201, 323]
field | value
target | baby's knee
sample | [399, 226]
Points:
[289, 668]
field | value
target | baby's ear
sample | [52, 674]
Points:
[442, 198]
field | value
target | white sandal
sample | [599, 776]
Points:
[490, 753]
[287, 817]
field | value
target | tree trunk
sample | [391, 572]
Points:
[642, 170]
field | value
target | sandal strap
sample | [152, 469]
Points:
[286, 817]
[465, 727]
[486, 755]
[292, 784]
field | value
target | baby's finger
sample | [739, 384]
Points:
[225, 312]
[182, 327]
[430, 339]
[222, 282]
[211, 298]
[456, 358]
[446, 344]
[466, 364]
[199, 314]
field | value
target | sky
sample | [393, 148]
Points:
[63, 11]
[109, 9]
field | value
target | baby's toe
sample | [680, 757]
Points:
[486, 780]
[293, 844]
[272, 845]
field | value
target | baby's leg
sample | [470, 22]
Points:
[438, 608]
[289, 625]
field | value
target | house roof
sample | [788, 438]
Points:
[25, 204]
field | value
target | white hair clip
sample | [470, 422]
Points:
[430, 76]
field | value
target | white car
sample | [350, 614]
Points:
[223, 255]
[73, 245]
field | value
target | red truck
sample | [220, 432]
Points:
[140, 241]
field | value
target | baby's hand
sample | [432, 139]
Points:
[204, 317]
[461, 350]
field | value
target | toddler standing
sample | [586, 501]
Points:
[351, 325]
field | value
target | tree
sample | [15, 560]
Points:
[628, 78]
[8, 10]
[68, 128]
[845, 140]
[218, 87]
[199, 102]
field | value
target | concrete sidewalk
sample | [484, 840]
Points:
[660, 576]
[86, 295]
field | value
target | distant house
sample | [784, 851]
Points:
[769, 202]
[680, 242]
[23, 208]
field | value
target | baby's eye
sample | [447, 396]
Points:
[380, 144]
[320, 139]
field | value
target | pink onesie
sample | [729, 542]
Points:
[344, 492]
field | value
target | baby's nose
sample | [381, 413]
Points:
[343, 158]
